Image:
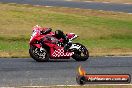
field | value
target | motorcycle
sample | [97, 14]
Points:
[45, 46]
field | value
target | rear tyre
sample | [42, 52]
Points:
[81, 54]
[39, 55]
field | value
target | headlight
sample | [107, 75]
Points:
[33, 34]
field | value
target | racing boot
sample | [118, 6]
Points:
[67, 44]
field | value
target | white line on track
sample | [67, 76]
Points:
[81, 8]
[113, 11]
[78, 85]
[130, 13]
[105, 2]
[128, 3]
[7, 87]
[102, 2]
[69, 0]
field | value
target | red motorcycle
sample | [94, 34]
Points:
[44, 46]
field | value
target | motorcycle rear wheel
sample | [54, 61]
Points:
[37, 55]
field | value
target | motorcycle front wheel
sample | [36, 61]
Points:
[39, 55]
[82, 54]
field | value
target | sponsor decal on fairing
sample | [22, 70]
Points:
[61, 53]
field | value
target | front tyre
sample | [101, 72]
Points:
[40, 55]
[81, 54]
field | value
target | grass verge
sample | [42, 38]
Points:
[104, 33]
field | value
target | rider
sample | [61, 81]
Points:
[59, 34]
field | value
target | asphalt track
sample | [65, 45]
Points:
[27, 72]
[85, 5]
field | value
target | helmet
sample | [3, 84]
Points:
[59, 34]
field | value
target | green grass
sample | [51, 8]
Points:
[110, 43]
[106, 31]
